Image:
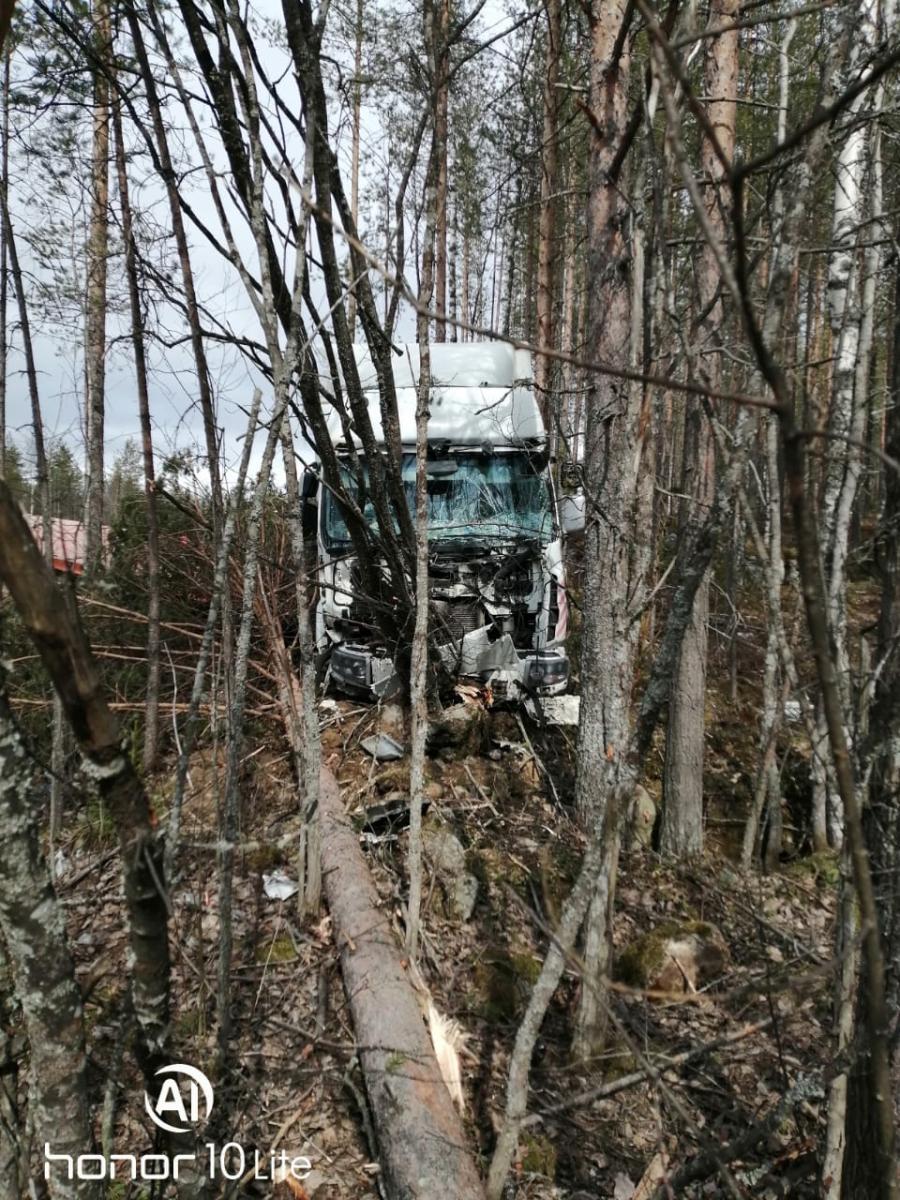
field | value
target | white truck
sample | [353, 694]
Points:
[495, 530]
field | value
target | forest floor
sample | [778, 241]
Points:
[501, 788]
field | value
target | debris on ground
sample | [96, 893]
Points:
[383, 747]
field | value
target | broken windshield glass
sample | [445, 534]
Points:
[471, 498]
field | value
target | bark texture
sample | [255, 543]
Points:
[681, 831]
[63, 648]
[42, 967]
[865, 1167]
[614, 563]
[95, 300]
[420, 1136]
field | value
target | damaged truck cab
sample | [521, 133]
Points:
[496, 578]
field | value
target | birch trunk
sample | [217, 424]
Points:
[419, 659]
[43, 970]
[871, 1125]
[836, 1127]
[12, 1155]
[231, 808]
[848, 413]
[219, 584]
[310, 851]
[66, 655]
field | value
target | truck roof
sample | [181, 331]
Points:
[481, 394]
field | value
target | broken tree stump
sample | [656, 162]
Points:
[421, 1140]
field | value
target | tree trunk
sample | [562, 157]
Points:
[219, 584]
[452, 253]
[441, 84]
[4, 254]
[60, 642]
[613, 566]
[151, 715]
[681, 830]
[43, 970]
[420, 1136]
[847, 417]
[419, 657]
[310, 850]
[95, 302]
[547, 222]
[867, 1167]
[231, 807]
[354, 150]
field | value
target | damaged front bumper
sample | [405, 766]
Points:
[510, 673]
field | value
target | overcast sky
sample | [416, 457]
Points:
[59, 343]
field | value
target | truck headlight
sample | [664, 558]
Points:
[351, 666]
[545, 670]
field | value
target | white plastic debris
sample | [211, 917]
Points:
[383, 747]
[792, 710]
[556, 710]
[277, 886]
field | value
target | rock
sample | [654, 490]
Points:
[462, 730]
[391, 719]
[641, 819]
[448, 859]
[677, 956]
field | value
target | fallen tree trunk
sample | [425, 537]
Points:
[420, 1135]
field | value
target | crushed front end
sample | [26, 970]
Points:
[499, 615]
[497, 600]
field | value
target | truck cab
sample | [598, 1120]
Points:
[497, 592]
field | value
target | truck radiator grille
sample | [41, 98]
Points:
[454, 618]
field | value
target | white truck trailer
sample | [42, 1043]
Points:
[496, 579]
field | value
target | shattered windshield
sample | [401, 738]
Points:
[471, 497]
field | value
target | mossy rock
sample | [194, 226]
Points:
[823, 867]
[675, 956]
[538, 1155]
[462, 732]
[448, 859]
[280, 950]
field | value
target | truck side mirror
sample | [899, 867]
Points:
[309, 509]
[309, 485]
[571, 513]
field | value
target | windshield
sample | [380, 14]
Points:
[471, 497]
